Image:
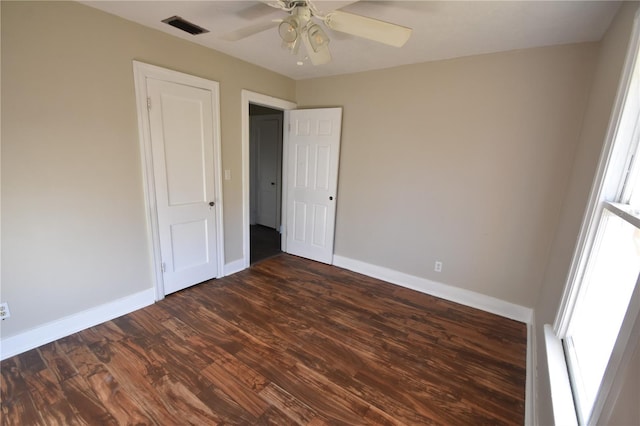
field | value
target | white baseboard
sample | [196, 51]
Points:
[443, 291]
[63, 327]
[233, 267]
[531, 393]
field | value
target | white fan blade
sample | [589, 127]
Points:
[372, 29]
[259, 10]
[250, 30]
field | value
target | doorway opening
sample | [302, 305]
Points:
[253, 98]
[265, 175]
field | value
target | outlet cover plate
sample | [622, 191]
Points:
[4, 310]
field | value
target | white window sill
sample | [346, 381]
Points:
[564, 412]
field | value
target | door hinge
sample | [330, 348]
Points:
[164, 267]
[148, 103]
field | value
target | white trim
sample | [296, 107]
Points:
[443, 291]
[234, 267]
[141, 72]
[63, 327]
[624, 211]
[144, 138]
[286, 124]
[564, 411]
[531, 396]
[248, 97]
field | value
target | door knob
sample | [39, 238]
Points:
[211, 203]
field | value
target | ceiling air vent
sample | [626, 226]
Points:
[178, 22]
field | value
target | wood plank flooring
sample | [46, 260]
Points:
[286, 342]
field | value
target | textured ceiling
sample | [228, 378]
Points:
[441, 29]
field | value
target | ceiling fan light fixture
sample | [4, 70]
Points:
[319, 54]
[292, 46]
[318, 39]
[288, 29]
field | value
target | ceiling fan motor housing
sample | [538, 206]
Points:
[303, 13]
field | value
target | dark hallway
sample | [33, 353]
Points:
[265, 242]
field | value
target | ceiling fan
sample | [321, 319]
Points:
[301, 26]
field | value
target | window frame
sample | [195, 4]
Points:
[608, 187]
[622, 341]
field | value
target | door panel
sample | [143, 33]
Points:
[319, 225]
[189, 243]
[184, 143]
[299, 221]
[182, 132]
[266, 140]
[301, 174]
[314, 149]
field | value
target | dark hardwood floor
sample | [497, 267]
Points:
[265, 243]
[288, 341]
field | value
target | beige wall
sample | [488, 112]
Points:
[603, 91]
[73, 215]
[463, 161]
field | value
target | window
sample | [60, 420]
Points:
[601, 301]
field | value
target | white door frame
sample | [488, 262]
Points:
[270, 102]
[141, 72]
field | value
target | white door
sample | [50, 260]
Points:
[313, 151]
[267, 130]
[182, 143]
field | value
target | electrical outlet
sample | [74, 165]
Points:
[4, 310]
[438, 266]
